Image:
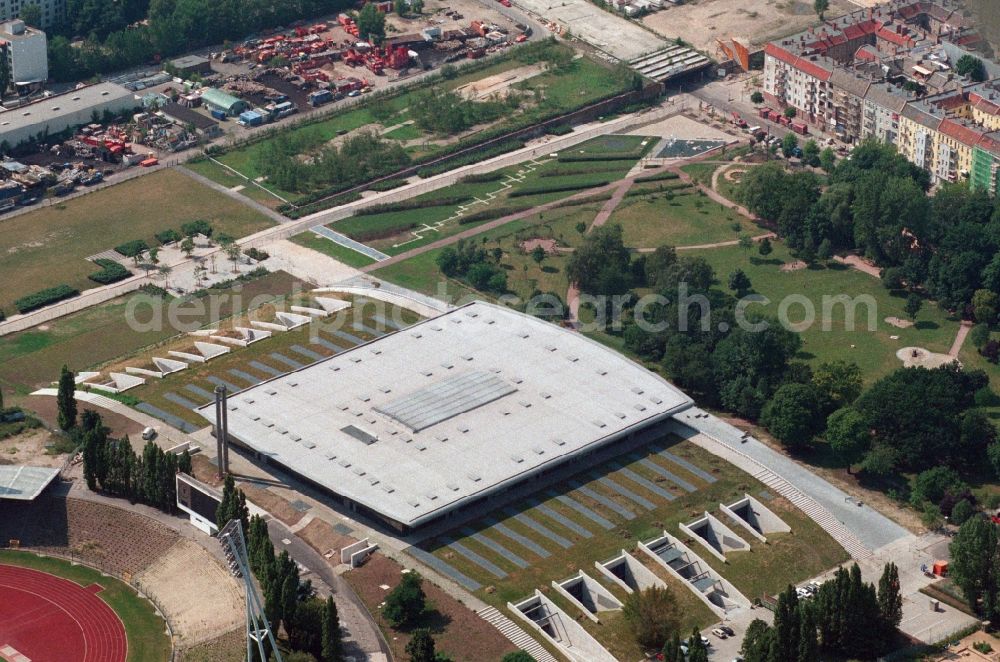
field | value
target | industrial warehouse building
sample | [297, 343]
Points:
[420, 423]
[57, 113]
[227, 103]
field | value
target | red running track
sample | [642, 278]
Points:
[51, 619]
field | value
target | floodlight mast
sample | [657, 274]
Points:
[258, 629]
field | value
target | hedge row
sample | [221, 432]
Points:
[472, 157]
[381, 233]
[590, 199]
[657, 177]
[609, 156]
[45, 297]
[490, 214]
[538, 190]
[559, 130]
[132, 248]
[111, 272]
[388, 184]
[294, 212]
[408, 205]
[483, 177]
[585, 168]
[168, 236]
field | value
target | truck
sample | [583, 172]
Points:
[319, 97]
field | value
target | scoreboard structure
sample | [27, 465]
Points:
[199, 501]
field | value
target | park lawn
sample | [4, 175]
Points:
[766, 568]
[683, 217]
[49, 246]
[145, 630]
[215, 172]
[33, 358]
[421, 273]
[405, 132]
[612, 144]
[701, 172]
[336, 251]
[874, 351]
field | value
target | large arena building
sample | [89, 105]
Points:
[427, 420]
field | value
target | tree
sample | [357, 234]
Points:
[371, 23]
[187, 246]
[848, 435]
[333, 648]
[757, 642]
[538, 254]
[808, 642]
[417, 6]
[914, 302]
[979, 335]
[932, 485]
[827, 159]
[765, 248]
[233, 506]
[890, 601]
[839, 382]
[601, 263]
[420, 647]
[651, 616]
[739, 282]
[972, 67]
[985, 305]
[406, 603]
[974, 564]
[400, 7]
[789, 144]
[794, 414]
[820, 6]
[697, 651]
[810, 153]
[745, 241]
[518, 656]
[31, 14]
[95, 439]
[66, 400]
[961, 512]
[757, 98]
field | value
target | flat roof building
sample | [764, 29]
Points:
[427, 420]
[63, 111]
[26, 53]
[24, 483]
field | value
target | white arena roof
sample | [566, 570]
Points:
[432, 417]
[24, 483]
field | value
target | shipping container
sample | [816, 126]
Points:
[218, 114]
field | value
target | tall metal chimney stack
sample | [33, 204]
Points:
[225, 431]
[220, 429]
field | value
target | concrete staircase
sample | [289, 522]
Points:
[517, 636]
[816, 512]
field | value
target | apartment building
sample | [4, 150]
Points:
[51, 10]
[24, 49]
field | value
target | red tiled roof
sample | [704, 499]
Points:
[984, 105]
[812, 69]
[989, 144]
[865, 53]
[891, 36]
[776, 51]
[963, 134]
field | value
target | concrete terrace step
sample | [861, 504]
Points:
[515, 634]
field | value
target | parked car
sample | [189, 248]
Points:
[719, 633]
[148, 434]
[728, 630]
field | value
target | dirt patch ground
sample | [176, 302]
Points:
[797, 265]
[272, 503]
[224, 648]
[898, 322]
[320, 536]
[44, 407]
[29, 448]
[171, 579]
[547, 245]
[682, 128]
[920, 357]
[734, 175]
[703, 21]
[457, 630]
[500, 84]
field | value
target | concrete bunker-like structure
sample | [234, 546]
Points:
[587, 594]
[718, 594]
[755, 517]
[629, 572]
[715, 536]
[544, 616]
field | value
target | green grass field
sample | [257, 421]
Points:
[49, 246]
[146, 631]
[873, 350]
[766, 568]
[679, 217]
[99, 334]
